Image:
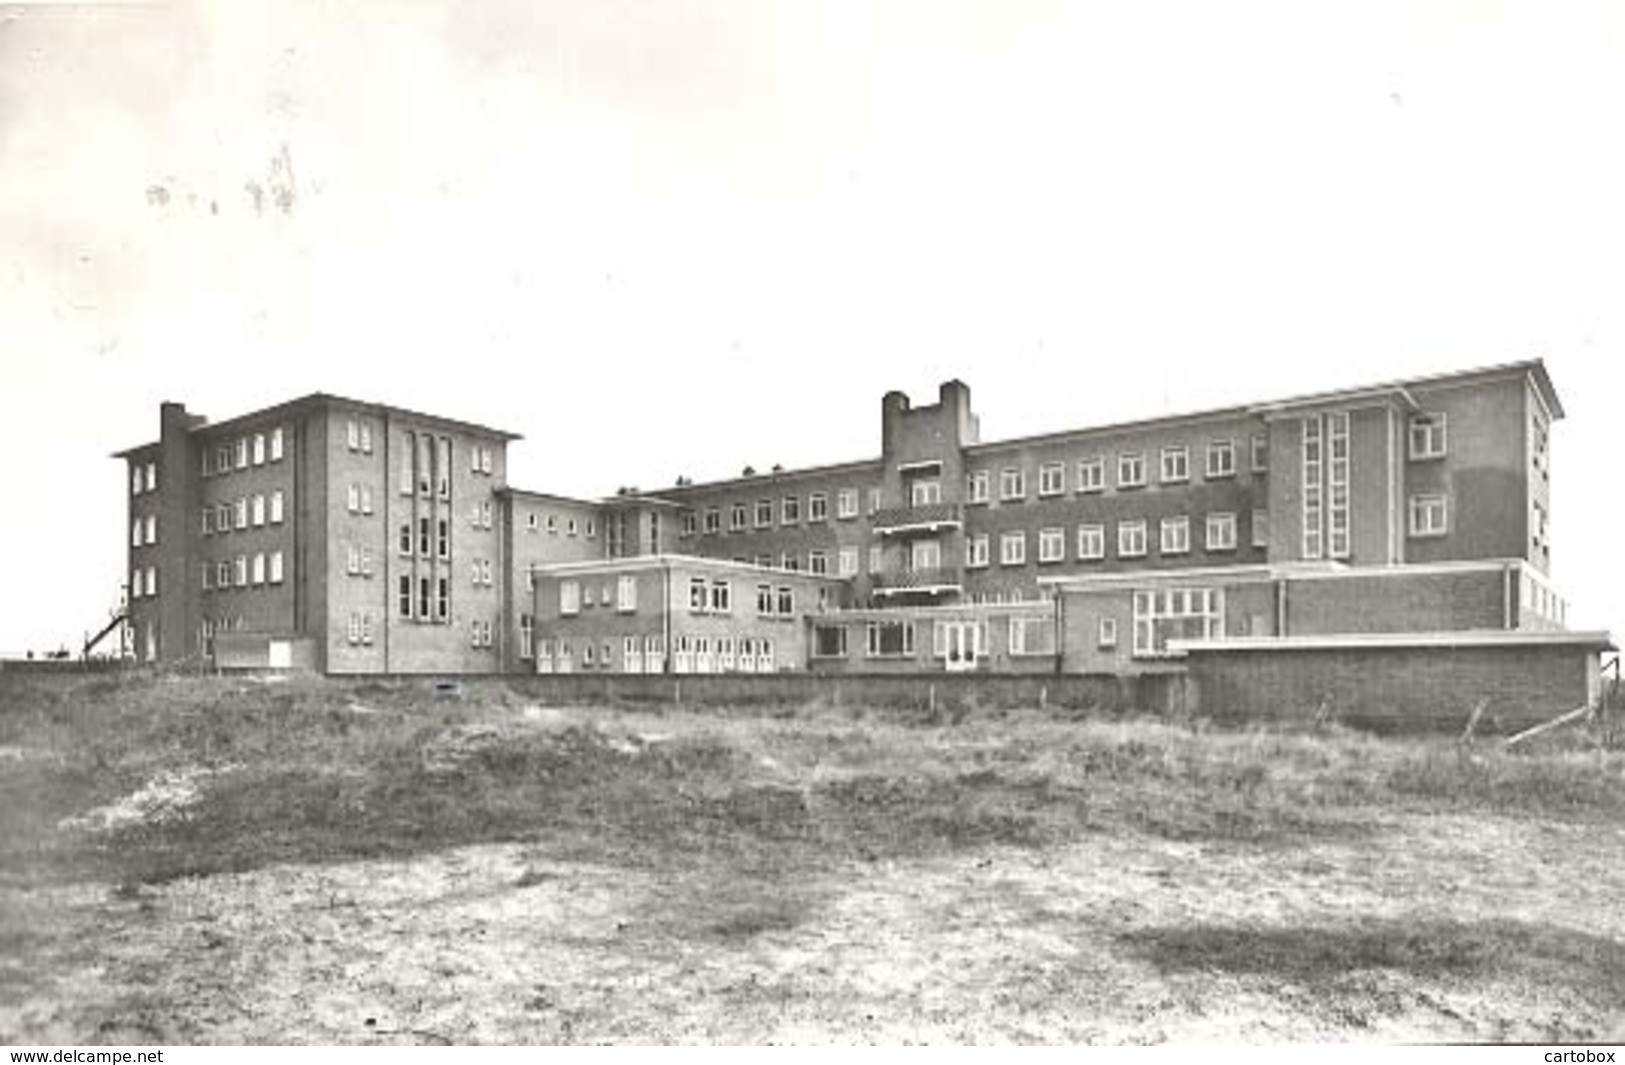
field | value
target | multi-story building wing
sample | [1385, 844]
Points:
[357, 538]
[327, 533]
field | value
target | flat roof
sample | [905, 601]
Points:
[1586, 639]
[641, 562]
[327, 399]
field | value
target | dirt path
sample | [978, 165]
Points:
[1387, 937]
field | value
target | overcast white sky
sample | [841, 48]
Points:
[676, 237]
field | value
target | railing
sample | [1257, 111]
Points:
[927, 516]
[924, 579]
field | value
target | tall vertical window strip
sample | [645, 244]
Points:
[406, 463]
[1337, 513]
[1313, 487]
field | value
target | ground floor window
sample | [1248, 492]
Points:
[829, 641]
[890, 639]
[1032, 636]
[1175, 614]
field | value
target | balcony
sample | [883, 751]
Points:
[927, 518]
[928, 580]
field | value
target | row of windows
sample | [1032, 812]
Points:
[245, 451]
[1132, 539]
[1026, 635]
[255, 510]
[244, 571]
[1175, 614]
[433, 538]
[647, 654]
[534, 523]
[705, 596]
[143, 582]
[432, 602]
[1131, 469]
[143, 478]
[144, 531]
[741, 515]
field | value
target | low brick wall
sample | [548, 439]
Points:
[944, 692]
[1395, 689]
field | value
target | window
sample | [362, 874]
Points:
[1051, 479]
[1428, 436]
[1221, 459]
[764, 561]
[1091, 542]
[222, 574]
[259, 510]
[1013, 548]
[1032, 636]
[259, 449]
[275, 576]
[829, 641]
[240, 460]
[1539, 443]
[1261, 528]
[976, 485]
[276, 444]
[1428, 515]
[406, 538]
[242, 513]
[925, 493]
[697, 598]
[136, 480]
[874, 500]
[442, 599]
[259, 567]
[786, 601]
[1176, 464]
[890, 639]
[1221, 532]
[570, 528]
[222, 458]
[137, 528]
[818, 507]
[222, 518]
[1313, 487]
[626, 594]
[239, 571]
[976, 551]
[352, 435]
[1107, 637]
[569, 597]
[1012, 483]
[790, 561]
[352, 559]
[875, 558]
[443, 468]
[353, 630]
[423, 537]
[738, 517]
[152, 528]
[1092, 474]
[764, 513]
[846, 503]
[846, 562]
[208, 520]
[722, 597]
[1175, 614]
[713, 520]
[1131, 539]
[443, 538]
[1176, 535]
[1538, 527]
[1261, 452]
[764, 600]
[353, 499]
[152, 580]
[276, 507]
[818, 562]
[527, 637]
[208, 576]
[790, 510]
[1131, 470]
[1051, 545]
[1337, 511]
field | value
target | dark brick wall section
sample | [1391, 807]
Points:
[1413, 689]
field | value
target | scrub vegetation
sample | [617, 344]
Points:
[193, 859]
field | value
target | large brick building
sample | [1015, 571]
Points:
[354, 538]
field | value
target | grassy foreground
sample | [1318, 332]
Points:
[197, 859]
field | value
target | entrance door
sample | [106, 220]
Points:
[961, 642]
